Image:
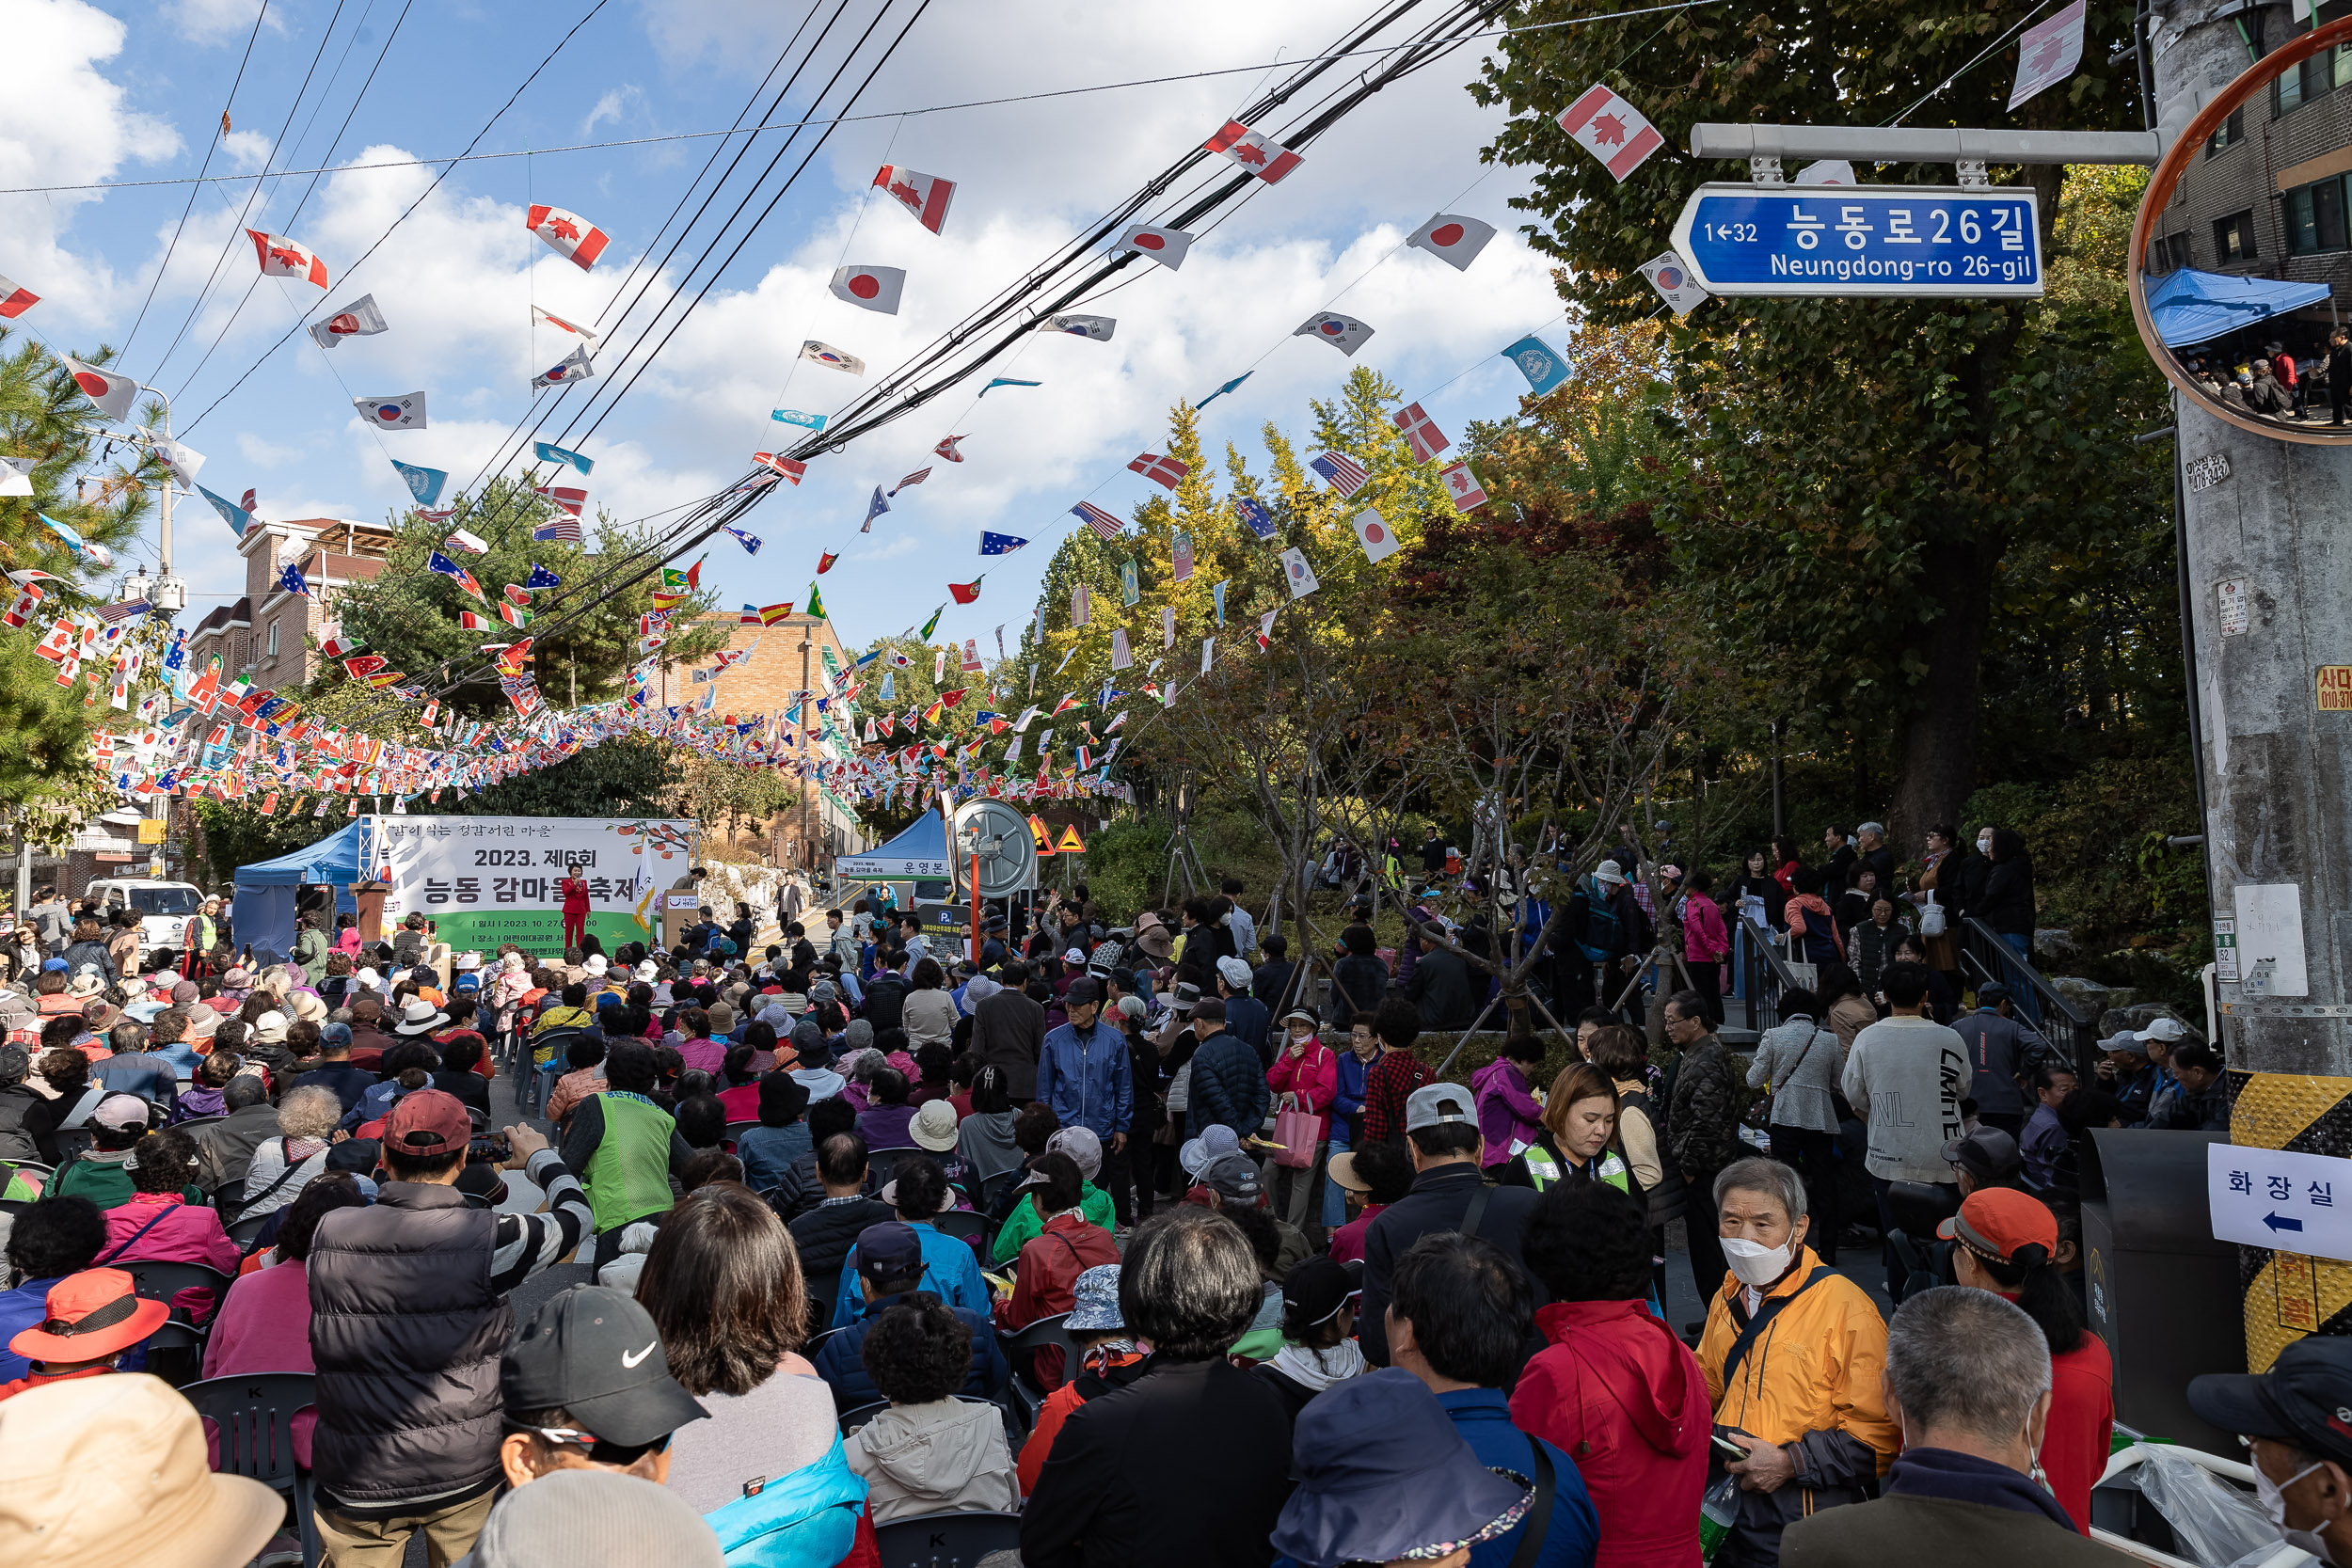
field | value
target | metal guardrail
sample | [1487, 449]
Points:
[1764, 974]
[1986, 954]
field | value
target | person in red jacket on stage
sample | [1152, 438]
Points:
[575, 890]
[1613, 1388]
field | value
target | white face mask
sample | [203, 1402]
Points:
[1753, 1263]
[1984, 845]
[2272, 1495]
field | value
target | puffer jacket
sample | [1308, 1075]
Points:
[1617, 1390]
[1228, 1086]
[806, 1519]
[943, 1457]
[407, 1333]
[1812, 1379]
[1703, 1115]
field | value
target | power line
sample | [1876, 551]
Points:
[470, 157]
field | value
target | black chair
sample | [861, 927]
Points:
[194, 1122]
[244, 1232]
[1021, 1350]
[255, 1418]
[822, 1288]
[16, 1205]
[817, 1342]
[945, 1539]
[736, 1131]
[995, 1200]
[966, 1226]
[852, 1419]
[882, 1163]
[162, 1281]
[73, 1143]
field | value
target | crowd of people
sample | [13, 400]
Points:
[1132, 1234]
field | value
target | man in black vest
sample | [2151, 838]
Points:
[408, 1319]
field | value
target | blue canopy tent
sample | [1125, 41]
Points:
[2192, 306]
[262, 912]
[918, 854]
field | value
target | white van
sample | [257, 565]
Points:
[163, 908]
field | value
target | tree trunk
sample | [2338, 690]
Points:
[1938, 765]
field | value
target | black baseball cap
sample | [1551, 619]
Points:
[595, 1352]
[890, 1250]
[1318, 1286]
[2305, 1399]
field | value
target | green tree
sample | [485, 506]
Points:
[1861, 469]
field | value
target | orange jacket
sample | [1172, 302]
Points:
[1815, 1367]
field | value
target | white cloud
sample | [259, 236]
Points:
[212, 22]
[247, 150]
[62, 122]
[265, 454]
[616, 103]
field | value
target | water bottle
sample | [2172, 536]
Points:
[1718, 1512]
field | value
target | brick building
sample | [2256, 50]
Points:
[2269, 195]
[264, 633]
[786, 659]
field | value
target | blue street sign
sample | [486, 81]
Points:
[1899, 241]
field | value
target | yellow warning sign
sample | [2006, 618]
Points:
[2290, 1295]
[1043, 834]
[2335, 688]
[1071, 843]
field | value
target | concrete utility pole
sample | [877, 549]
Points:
[808, 856]
[2269, 583]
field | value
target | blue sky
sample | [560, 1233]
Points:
[105, 92]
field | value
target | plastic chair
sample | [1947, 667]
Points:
[882, 1163]
[194, 1122]
[822, 1288]
[965, 1224]
[945, 1539]
[1027, 1396]
[255, 1420]
[244, 1232]
[162, 1281]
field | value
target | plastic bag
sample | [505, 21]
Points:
[2216, 1523]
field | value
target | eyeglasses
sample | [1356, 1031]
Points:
[620, 1456]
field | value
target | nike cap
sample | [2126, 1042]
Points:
[595, 1353]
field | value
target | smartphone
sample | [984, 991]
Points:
[1729, 1450]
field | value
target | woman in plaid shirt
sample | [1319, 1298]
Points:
[1395, 1074]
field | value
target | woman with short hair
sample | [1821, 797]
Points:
[1811, 1410]
[307, 1120]
[929, 1014]
[1576, 1140]
[929, 1453]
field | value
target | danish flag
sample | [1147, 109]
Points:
[567, 234]
[926, 196]
[283, 258]
[947, 449]
[783, 465]
[1267, 159]
[1163, 471]
[568, 499]
[1420, 433]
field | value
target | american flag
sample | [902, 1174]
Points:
[1346, 474]
[562, 529]
[916, 478]
[1101, 521]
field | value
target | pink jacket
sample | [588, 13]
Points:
[265, 1327]
[180, 1234]
[1704, 939]
[1312, 1076]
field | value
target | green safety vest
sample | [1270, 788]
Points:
[1544, 1170]
[629, 1176]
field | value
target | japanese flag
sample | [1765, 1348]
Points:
[358, 319]
[1165, 245]
[15, 301]
[1671, 277]
[1611, 130]
[557, 321]
[1453, 239]
[567, 234]
[1345, 332]
[1300, 576]
[1463, 486]
[926, 196]
[1374, 533]
[283, 258]
[113, 394]
[405, 411]
[869, 287]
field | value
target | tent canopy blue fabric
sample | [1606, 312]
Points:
[262, 912]
[919, 852]
[2192, 306]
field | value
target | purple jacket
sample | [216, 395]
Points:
[1507, 1113]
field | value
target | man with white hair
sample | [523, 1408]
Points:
[1246, 1019]
[1968, 1381]
[1871, 851]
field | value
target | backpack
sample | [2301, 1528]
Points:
[1604, 933]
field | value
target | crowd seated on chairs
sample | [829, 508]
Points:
[826, 1302]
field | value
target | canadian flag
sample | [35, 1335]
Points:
[1420, 433]
[15, 300]
[1165, 245]
[285, 258]
[113, 394]
[1267, 159]
[568, 234]
[27, 600]
[926, 196]
[783, 465]
[870, 287]
[1163, 471]
[1454, 239]
[1611, 130]
[1463, 486]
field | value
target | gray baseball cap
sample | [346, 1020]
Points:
[1438, 1105]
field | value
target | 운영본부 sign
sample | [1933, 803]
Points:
[1898, 241]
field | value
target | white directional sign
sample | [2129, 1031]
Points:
[2270, 1197]
[1900, 241]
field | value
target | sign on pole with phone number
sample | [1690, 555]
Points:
[1882, 241]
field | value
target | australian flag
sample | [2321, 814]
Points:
[291, 580]
[541, 578]
[1253, 513]
[1346, 474]
[436, 561]
[749, 541]
[999, 543]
